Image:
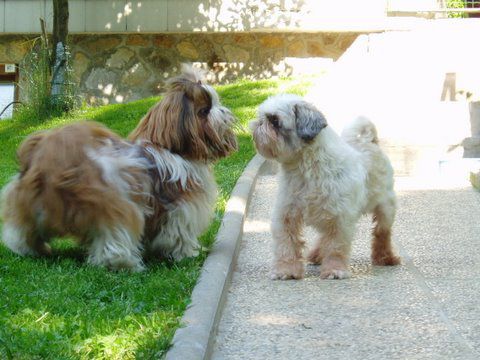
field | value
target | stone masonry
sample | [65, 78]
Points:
[117, 68]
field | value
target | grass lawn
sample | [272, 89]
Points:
[62, 308]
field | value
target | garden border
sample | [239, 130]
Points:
[194, 340]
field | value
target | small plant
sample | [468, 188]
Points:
[456, 4]
[38, 102]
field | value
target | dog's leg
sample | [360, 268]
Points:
[382, 252]
[19, 228]
[116, 249]
[288, 244]
[317, 254]
[176, 240]
[336, 247]
[178, 237]
[21, 240]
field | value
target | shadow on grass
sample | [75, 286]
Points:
[60, 307]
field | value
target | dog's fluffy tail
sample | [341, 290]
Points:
[360, 132]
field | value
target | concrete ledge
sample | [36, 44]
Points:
[475, 179]
[459, 167]
[194, 340]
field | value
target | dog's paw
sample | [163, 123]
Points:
[386, 260]
[288, 270]
[334, 274]
[185, 252]
[334, 268]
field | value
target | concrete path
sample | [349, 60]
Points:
[427, 308]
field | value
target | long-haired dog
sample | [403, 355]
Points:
[121, 198]
[326, 182]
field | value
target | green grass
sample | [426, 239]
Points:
[62, 308]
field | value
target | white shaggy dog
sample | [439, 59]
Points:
[326, 182]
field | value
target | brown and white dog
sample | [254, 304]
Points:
[327, 182]
[121, 198]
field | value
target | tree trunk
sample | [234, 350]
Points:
[60, 24]
[59, 40]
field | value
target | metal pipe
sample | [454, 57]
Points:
[6, 107]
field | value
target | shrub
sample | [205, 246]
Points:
[456, 4]
[36, 86]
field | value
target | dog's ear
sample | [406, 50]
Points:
[309, 121]
[253, 125]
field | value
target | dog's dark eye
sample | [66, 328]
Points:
[203, 112]
[273, 119]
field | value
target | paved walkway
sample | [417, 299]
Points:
[427, 308]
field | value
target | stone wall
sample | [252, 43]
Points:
[117, 68]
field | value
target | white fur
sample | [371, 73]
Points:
[115, 164]
[178, 237]
[173, 168]
[327, 183]
[184, 220]
[116, 249]
[13, 236]
[15, 239]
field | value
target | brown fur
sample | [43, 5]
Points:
[331, 250]
[164, 195]
[291, 234]
[178, 123]
[64, 188]
[382, 251]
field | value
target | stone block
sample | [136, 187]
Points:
[158, 61]
[137, 40]
[475, 179]
[244, 39]
[17, 50]
[164, 41]
[235, 54]
[296, 49]
[474, 108]
[271, 41]
[100, 79]
[187, 50]
[135, 76]
[80, 64]
[3, 53]
[471, 147]
[101, 44]
[316, 49]
[120, 58]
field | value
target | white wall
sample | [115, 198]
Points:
[21, 16]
